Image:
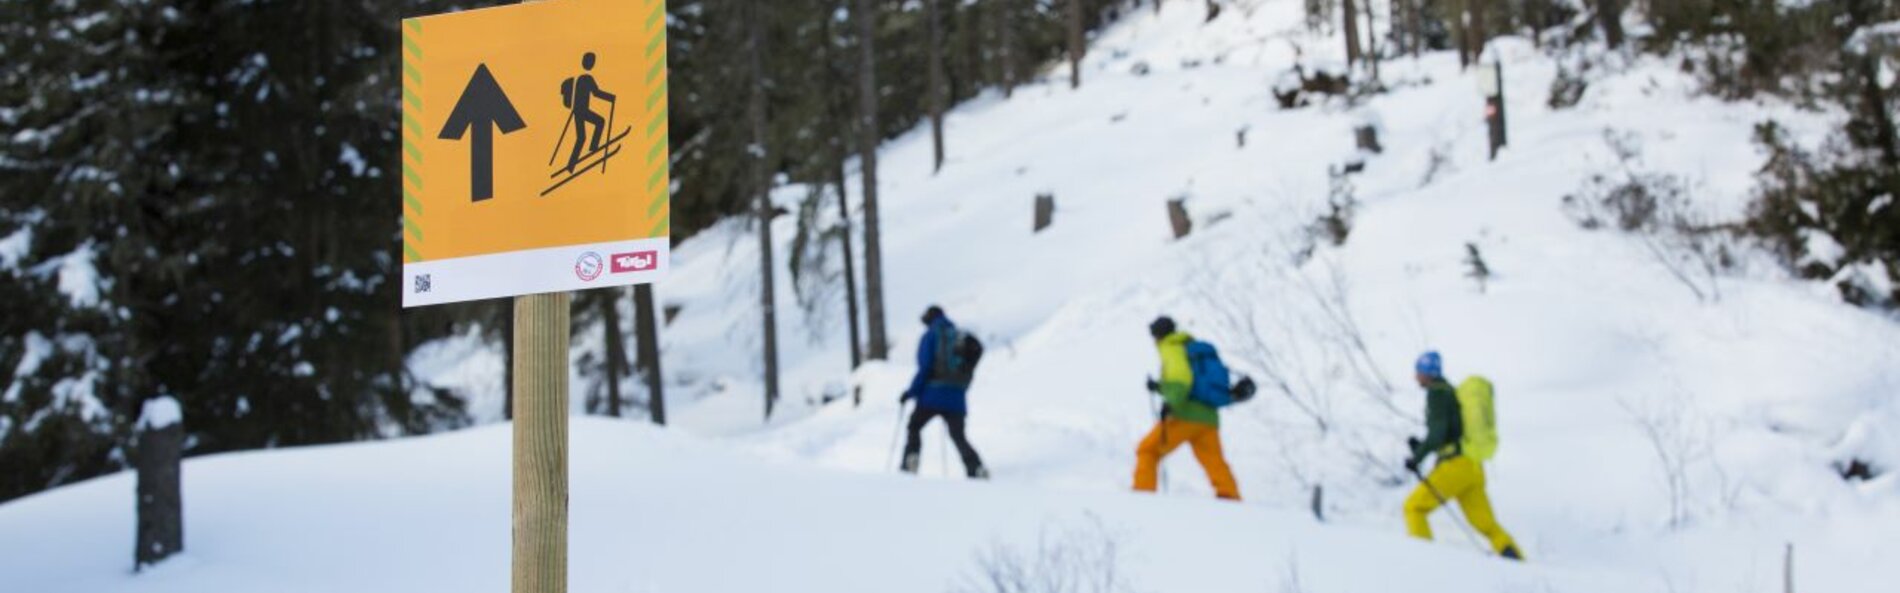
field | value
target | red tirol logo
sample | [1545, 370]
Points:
[638, 261]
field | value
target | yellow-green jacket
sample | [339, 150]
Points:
[1177, 379]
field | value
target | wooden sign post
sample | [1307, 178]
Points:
[535, 163]
[540, 464]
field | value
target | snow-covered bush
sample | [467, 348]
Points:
[1657, 209]
[1830, 216]
[1081, 558]
[1285, 316]
[1334, 226]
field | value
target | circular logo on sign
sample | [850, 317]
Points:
[588, 267]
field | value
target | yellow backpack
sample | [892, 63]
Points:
[1480, 441]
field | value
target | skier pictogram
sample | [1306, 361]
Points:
[589, 151]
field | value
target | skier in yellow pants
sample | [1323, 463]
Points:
[1456, 476]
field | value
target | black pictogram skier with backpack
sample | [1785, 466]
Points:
[589, 151]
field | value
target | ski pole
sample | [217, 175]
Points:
[1455, 516]
[612, 106]
[563, 140]
[1161, 428]
[896, 429]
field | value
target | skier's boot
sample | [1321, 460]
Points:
[910, 463]
[979, 473]
[1510, 553]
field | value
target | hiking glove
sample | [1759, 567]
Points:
[1411, 444]
[1411, 464]
[904, 399]
[1153, 387]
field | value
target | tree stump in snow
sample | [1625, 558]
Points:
[1045, 211]
[161, 516]
[1367, 138]
[1178, 217]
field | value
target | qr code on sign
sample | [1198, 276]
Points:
[422, 283]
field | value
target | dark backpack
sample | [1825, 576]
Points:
[958, 352]
[1212, 384]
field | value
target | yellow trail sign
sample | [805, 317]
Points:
[535, 155]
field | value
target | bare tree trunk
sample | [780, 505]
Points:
[1480, 34]
[1461, 21]
[968, 38]
[761, 178]
[1415, 25]
[159, 447]
[1372, 40]
[1350, 11]
[616, 352]
[878, 346]
[1610, 17]
[838, 119]
[1075, 43]
[850, 268]
[1535, 16]
[397, 365]
[647, 344]
[1006, 50]
[507, 358]
[933, 92]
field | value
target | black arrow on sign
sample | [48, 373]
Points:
[482, 108]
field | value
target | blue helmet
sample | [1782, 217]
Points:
[1430, 364]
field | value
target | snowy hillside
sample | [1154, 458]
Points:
[662, 512]
[1662, 430]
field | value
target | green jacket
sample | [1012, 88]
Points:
[1177, 379]
[1444, 423]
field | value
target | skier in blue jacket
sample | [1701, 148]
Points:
[939, 390]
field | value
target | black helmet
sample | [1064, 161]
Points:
[932, 314]
[1161, 327]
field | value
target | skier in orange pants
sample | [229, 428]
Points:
[1183, 419]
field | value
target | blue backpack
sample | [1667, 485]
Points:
[1211, 384]
[957, 353]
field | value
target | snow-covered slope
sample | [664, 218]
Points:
[661, 512]
[1613, 375]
